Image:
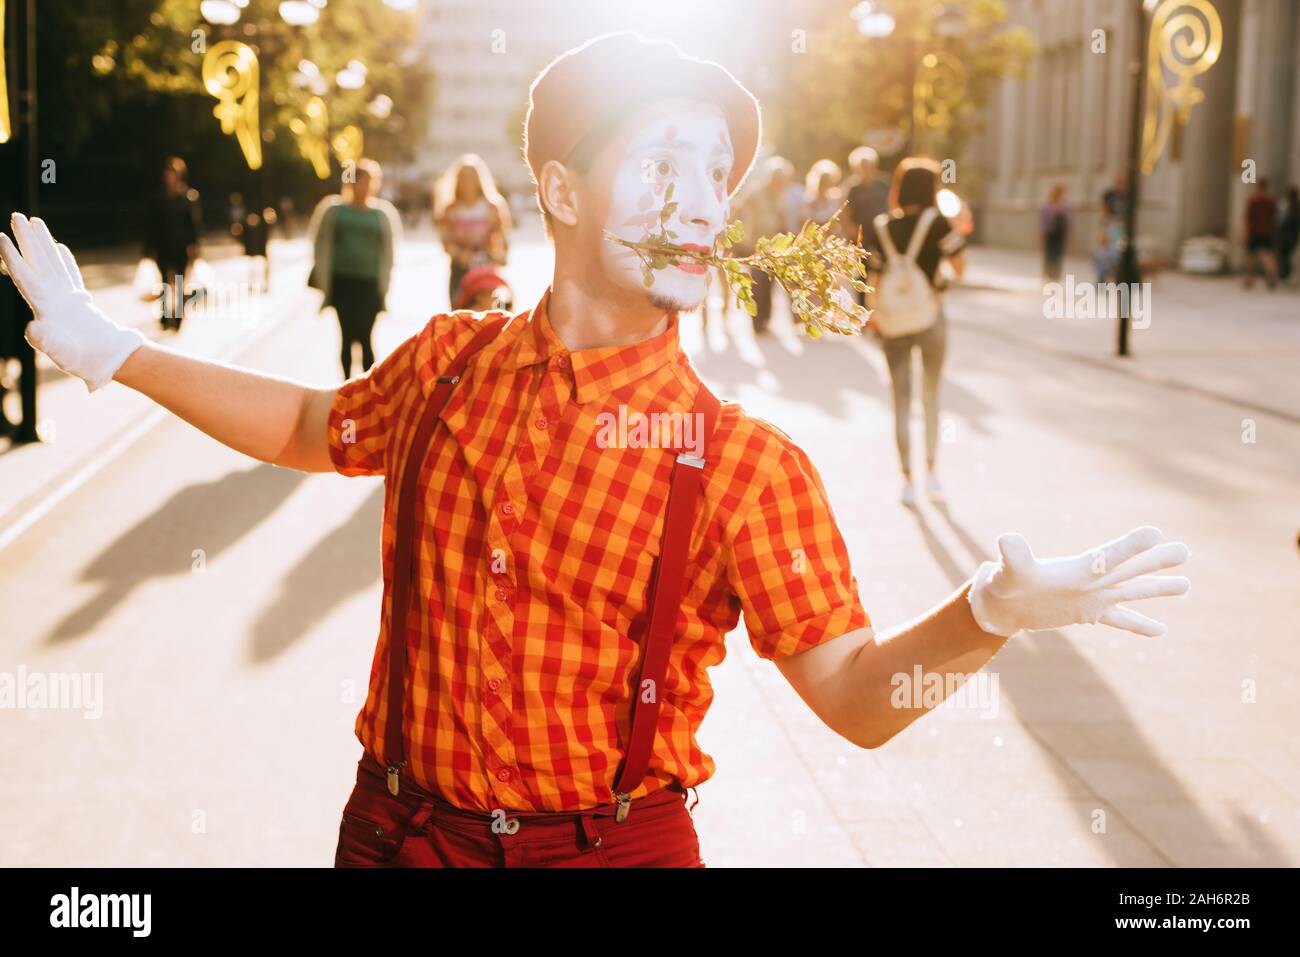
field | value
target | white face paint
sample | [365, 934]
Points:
[687, 145]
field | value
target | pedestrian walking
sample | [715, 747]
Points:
[354, 237]
[1288, 237]
[1054, 231]
[557, 579]
[1261, 235]
[1110, 229]
[250, 229]
[822, 194]
[914, 239]
[868, 197]
[763, 214]
[173, 225]
[472, 218]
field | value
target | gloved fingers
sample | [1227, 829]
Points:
[1165, 555]
[1116, 552]
[29, 243]
[47, 248]
[19, 271]
[1015, 551]
[1128, 620]
[1153, 586]
[70, 265]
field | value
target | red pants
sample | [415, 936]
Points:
[417, 829]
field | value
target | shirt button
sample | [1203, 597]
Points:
[541, 422]
[494, 684]
[502, 594]
[504, 774]
[508, 508]
[562, 361]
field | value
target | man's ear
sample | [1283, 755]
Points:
[557, 187]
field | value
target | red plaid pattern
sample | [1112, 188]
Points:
[535, 551]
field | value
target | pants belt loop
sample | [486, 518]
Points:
[589, 833]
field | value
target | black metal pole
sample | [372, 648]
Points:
[28, 161]
[263, 107]
[26, 102]
[1129, 273]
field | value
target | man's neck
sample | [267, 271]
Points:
[584, 319]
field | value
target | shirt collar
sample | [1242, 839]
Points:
[595, 372]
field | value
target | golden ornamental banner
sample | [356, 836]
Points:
[230, 73]
[1186, 40]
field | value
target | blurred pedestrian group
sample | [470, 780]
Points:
[1271, 229]
[911, 249]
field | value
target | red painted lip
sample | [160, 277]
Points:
[695, 269]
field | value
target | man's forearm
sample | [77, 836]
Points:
[272, 419]
[945, 641]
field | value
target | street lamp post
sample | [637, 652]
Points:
[1185, 38]
[1129, 271]
[259, 38]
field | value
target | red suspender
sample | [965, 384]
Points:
[665, 588]
[403, 561]
[665, 600]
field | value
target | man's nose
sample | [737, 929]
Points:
[699, 205]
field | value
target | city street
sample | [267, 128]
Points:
[232, 607]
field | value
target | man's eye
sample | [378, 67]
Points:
[663, 168]
[719, 174]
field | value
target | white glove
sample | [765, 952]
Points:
[1021, 592]
[67, 327]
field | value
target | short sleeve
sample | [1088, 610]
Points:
[365, 411]
[949, 240]
[789, 566]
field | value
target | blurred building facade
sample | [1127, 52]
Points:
[485, 54]
[1068, 121]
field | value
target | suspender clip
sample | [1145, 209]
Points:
[393, 771]
[694, 461]
[447, 379]
[624, 807]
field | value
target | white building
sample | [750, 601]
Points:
[1068, 122]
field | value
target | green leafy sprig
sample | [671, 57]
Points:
[811, 265]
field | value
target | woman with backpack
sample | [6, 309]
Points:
[914, 240]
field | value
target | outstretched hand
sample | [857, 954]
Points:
[66, 326]
[1020, 592]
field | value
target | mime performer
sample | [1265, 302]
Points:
[553, 598]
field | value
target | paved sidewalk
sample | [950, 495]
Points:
[79, 430]
[231, 691]
[1206, 335]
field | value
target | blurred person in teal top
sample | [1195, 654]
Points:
[353, 236]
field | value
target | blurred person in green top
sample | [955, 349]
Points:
[353, 236]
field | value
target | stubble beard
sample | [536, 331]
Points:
[673, 304]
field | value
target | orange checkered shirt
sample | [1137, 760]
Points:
[535, 546]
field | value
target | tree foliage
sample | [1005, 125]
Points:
[167, 57]
[845, 83]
